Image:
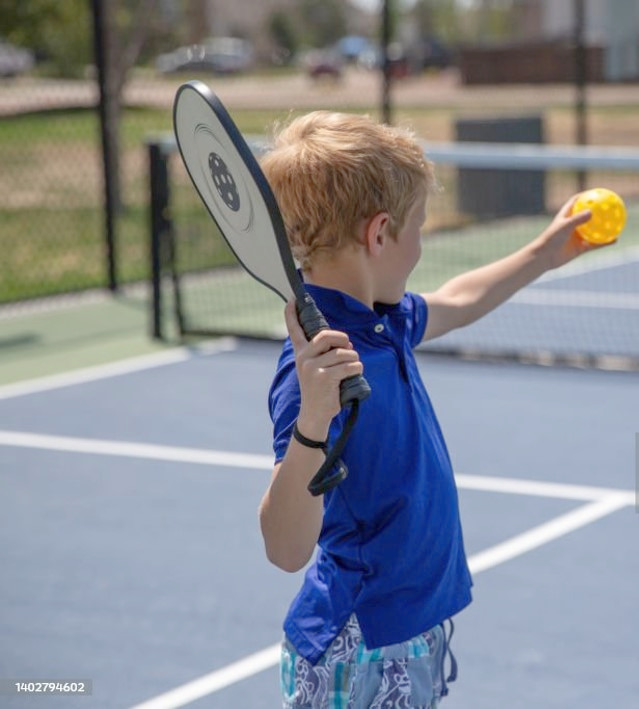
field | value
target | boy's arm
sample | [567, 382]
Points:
[472, 295]
[290, 517]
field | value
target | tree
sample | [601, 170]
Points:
[133, 22]
[119, 33]
[324, 21]
[56, 31]
[438, 17]
[391, 7]
[423, 17]
[494, 20]
[283, 34]
[197, 13]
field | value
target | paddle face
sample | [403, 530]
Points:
[233, 188]
[238, 197]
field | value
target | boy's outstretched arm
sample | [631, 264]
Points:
[290, 517]
[470, 296]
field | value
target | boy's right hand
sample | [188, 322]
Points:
[321, 365]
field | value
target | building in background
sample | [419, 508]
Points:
[250, 20]
[610, 24]
[542, 44]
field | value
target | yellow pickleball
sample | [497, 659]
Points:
[608, 215]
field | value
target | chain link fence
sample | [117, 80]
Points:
[61, 231]
[54, 221]
[52, 232]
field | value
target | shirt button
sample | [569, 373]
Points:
[379, 328]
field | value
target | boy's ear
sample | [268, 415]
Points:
[376, 233]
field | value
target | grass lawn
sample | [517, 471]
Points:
[51, 219]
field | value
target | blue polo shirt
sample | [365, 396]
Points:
[391, 548]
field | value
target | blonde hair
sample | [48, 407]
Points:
[329, 171]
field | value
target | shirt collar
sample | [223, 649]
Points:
[342, 310]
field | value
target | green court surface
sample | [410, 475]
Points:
[448, 253]
[228, 300]
[58, 335]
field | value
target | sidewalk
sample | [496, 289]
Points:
[358, 88]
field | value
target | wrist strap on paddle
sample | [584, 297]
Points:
[353, 390]
[334, 470]
[307, 442]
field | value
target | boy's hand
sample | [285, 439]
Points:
[560, 242]
[321, 365]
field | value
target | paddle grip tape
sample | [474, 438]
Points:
[354, 388]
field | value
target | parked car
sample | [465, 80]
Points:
[354, 47]
[15, 60]
[373, 59]
[320, 63]
[434, 54]
[220, 55]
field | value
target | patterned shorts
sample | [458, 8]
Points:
[349, 676]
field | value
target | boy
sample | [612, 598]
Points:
[366, 629]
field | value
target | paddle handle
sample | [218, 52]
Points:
[354, 388]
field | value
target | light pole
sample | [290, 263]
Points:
[581, 81]
[386, 63]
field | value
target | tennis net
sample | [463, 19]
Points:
[492, 199]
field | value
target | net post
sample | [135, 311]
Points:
[160, 223]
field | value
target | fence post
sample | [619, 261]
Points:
[159, 222]
[387, 70]
[581, 83]
[104, 64]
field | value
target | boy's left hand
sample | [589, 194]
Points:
[560, 242]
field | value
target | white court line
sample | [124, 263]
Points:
[125, 449]
[112, 369]
[205, 456]
[487, 559]
[600, 502]
[547, 532]
[535, 488]
[213, 682]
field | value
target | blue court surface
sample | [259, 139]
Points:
[588, 309]
[131, 557]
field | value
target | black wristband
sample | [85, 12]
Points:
[300, 438]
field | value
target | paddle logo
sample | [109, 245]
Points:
[224, 182]
[220, 180]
